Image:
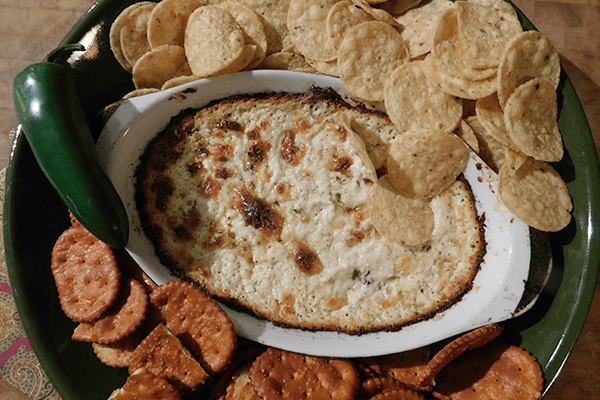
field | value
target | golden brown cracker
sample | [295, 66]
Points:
[144, 385]
[205, 329]
[280, 374]
[468, 341]
[122, 320]
[374, 386]
[498, 370]
[398, 394]
[163, 354]
[86, 274]
[404, 367]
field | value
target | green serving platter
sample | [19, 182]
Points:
[34, 216]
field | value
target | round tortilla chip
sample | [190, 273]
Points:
[178, 80]
[497, 371]
[134, 35]
[287, 61]
[139, 92]
[490, 150]
[306, 22]
[484, 31]
[342, 17]
[536, 194]
[526, 56]
[465, 132]
[399, 219]
[213, 42]
[324, 67]
[424, 163]
[450, 51]
[114, 35]
[369, 53]
[420, 23]
[398, 7]
[253, 28]
[413, 102]
[457, 85]
[274, 17]
[530, 116]
[159, 65]
[491, 116]
[167, 22]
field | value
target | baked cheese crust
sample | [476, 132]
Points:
[262, 201]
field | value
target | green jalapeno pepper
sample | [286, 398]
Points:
[61, 140]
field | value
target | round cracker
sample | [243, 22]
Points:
[526, 56]
[167, 22]
[484, 31]
[530, 117]
[214, 41]
[373, 386]
[413, 102]
[424, 163]
[367, 56]
[159, 65]
[498, 371]
[114, 35]
[252, 26]
[280, 374]
[124, 318]
[201, 324]
[134, 35]
[398, 394]
[399, 219]
[306, 21]
[86, 274]
[536, 194]
[403, 367]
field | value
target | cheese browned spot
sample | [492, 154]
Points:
[262, 201]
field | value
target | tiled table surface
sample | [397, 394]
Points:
[29, 29]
